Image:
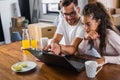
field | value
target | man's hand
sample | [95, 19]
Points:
[48, 47]
[54, 47]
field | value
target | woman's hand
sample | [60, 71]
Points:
[92, 35]
[100, 61]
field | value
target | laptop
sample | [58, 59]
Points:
[68, 61]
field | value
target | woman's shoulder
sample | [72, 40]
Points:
[111, 33]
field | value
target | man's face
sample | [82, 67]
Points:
[70, 13]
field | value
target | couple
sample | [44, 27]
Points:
[94, 34]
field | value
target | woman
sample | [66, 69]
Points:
[101, 39]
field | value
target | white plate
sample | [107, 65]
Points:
[30, 65]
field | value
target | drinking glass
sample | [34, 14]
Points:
[33, 43]
[25, 39]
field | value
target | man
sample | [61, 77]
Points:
[69, 27]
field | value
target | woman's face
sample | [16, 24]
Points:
[90, 24]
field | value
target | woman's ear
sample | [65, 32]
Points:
[78, 9]
[99, 20]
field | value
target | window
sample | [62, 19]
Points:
[50, 6]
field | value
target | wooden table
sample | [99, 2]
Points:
[11, 54]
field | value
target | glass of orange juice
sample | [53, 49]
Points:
[25, 39]
[25, 43]
[33, 44]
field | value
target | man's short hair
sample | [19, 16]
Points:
[68, 2]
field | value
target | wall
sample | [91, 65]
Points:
[81, 4]
[6, 10]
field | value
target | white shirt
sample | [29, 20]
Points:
[70, 32]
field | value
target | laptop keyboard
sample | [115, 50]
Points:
[77, 64]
